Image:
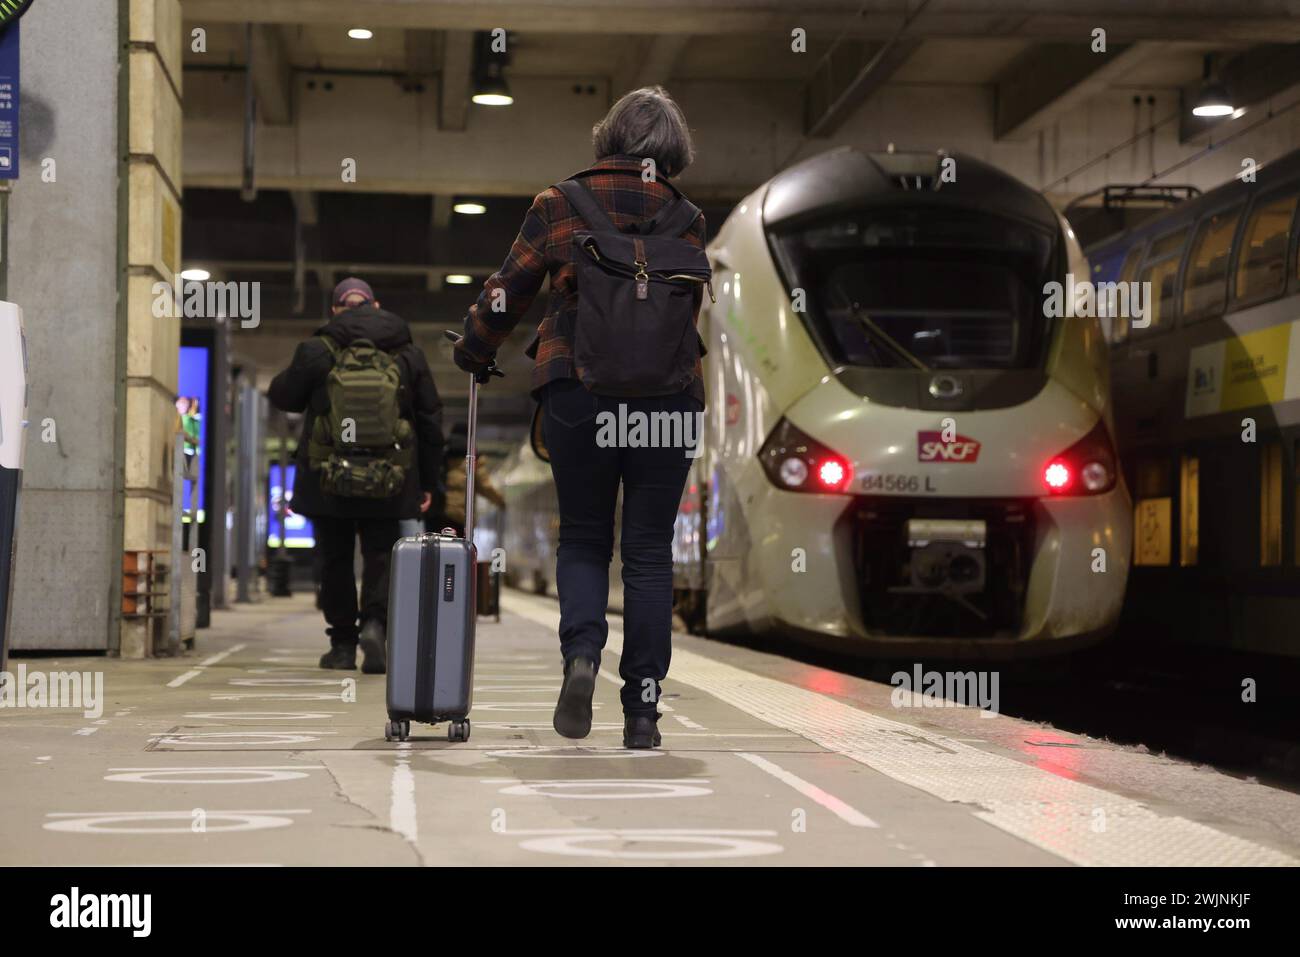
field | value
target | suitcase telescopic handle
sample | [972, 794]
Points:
[471, 436]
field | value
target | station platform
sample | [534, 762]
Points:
[245, 753]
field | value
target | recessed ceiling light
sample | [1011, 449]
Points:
[196, 274]
[360, 33]
[469, 209]
[459, 279]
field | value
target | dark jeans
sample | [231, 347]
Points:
[335, 547]
[587, 479]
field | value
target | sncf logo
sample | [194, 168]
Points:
[930, 447]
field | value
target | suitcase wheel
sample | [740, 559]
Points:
[458, 730]
[401, 730]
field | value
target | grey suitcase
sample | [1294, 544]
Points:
[432, 611]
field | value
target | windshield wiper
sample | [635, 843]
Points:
[881, 337]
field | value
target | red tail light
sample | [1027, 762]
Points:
[796, 462]
[1086, 468]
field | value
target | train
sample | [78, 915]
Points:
[1209, 387]
[904, 451]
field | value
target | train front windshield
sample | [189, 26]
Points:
[945, 288]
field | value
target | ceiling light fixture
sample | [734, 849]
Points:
[469, 209]
[1213, 100]
[459, 279]
[195, 274]
[360, 33]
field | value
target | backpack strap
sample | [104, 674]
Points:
[333, 347]
[584, 203]
[676, 218]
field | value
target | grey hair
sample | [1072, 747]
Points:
[646, 122]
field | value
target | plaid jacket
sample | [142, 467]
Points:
[544, 247]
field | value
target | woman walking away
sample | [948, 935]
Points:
[625, 254]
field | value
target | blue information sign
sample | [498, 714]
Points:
[9, 102]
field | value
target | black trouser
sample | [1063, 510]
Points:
[335, 547]
[587, 479]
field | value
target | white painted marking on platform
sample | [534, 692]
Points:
[542, 725]
[846, 813]
[181, 679]
[1049, 811]
[610, 677]
[606, 789]
[563, 751]
[208, 775]
[523, 689]
[221, 656]
[276, 696]
[238, 738]
[723, 844]
[101, 822]
[262, 715]
[85, 732]
[402, 818]
[283, 682]
[521, 706]
[687, 722]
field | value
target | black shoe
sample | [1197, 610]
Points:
[342, 656]
[373, 649]
[641, 731]
[573, 710]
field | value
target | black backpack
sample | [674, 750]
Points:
[634, 332]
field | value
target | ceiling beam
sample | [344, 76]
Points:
[653, 65]
[849, 75]
[454, 83]
[272, 75]
[1050, 79]
[1260, 21]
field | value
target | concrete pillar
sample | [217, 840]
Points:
[153, 230]
[64, 271]
[102, 101]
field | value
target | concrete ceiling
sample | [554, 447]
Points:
[1011, 81]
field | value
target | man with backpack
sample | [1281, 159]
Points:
[369, 456]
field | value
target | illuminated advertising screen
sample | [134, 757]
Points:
[299, 530]
[191, 406]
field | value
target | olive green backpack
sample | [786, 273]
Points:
[361, 445]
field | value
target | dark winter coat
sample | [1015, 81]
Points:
[301, 388]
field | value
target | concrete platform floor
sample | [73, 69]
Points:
[244, 753]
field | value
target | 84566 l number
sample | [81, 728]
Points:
[901, 484]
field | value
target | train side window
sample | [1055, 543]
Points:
[1160, 269]
[1205, 285]
[1270, 504]
[1119, 323]
[1189, 510]
[1261, 263]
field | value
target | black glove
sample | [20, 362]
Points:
[480, 369]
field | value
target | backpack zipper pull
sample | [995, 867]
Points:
[642, 279]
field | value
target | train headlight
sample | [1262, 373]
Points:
[793, 472]
[799, 463]
[1096, 476]
[1085, 468]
